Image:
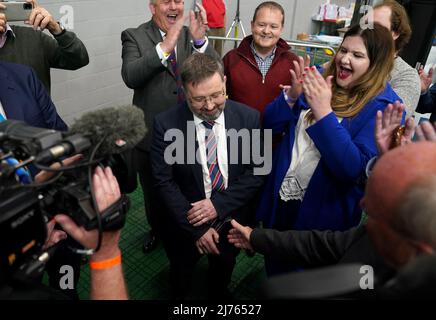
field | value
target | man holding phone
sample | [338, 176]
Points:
[152, 55]
[35, 48]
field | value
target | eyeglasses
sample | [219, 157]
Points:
[214, 97]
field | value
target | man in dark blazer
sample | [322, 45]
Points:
[198, 198]
[23, 97]
[427, 101]
[151, 69]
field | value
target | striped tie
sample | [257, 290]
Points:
[173, 62]
[211, 153]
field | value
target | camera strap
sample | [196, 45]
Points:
[114, 217]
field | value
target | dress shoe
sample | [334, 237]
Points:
[150, 242]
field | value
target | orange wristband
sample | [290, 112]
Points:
[105, 264]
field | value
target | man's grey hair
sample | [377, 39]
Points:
[199, 67]
[416, 216]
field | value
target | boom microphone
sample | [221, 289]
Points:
[119, 129]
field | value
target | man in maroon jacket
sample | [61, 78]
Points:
[262, 61]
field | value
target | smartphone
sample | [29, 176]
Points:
[17, 10]
[195, 8]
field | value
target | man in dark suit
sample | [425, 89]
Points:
[427, 101]
[203, 186]
[23, 97]
[152, 55]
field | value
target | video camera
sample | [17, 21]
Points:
[26, 206]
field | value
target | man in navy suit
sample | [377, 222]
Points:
[427, 101]
[207, 183]
[23, 97]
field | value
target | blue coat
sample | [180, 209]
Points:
[332, 197]
[24, 97]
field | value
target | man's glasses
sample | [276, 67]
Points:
[214, 98]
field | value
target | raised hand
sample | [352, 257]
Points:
[426, 132]
[318, 92]
[172, 35]
[3, 19]
[387, 122]
[426, 79]
[198, 24]
[296, 89]
[107, 192]
[41, 18]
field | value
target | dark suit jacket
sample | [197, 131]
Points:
[310, 249]
[179, 185]
[154, 85]
[427, 103]
[24, 97]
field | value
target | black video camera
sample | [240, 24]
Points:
[26, 206]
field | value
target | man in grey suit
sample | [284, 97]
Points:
[152, 55]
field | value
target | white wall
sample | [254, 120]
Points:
[99, 24]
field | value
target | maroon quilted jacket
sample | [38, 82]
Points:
[245, 83]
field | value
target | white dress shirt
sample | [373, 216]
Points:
[219, 129]
[2, 111]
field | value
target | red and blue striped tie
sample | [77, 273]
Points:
[216, 177]
[173, 62]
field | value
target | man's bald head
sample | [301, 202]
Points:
[394, 173]
[394, 179]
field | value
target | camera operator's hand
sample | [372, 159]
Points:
[107, 280]
[54, 235]
[106, 192]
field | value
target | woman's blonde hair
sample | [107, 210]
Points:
[379, 44]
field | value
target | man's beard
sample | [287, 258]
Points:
[207, 117]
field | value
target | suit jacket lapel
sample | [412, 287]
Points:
[182, 53]
[152, 31]
[8, 97]
[196, 168]
[231, 123]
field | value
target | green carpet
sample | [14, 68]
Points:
[147, 275]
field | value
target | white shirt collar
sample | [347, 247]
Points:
[219, 120]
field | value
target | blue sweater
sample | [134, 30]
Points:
[332, 197]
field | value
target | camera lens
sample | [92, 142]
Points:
[27, 6]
